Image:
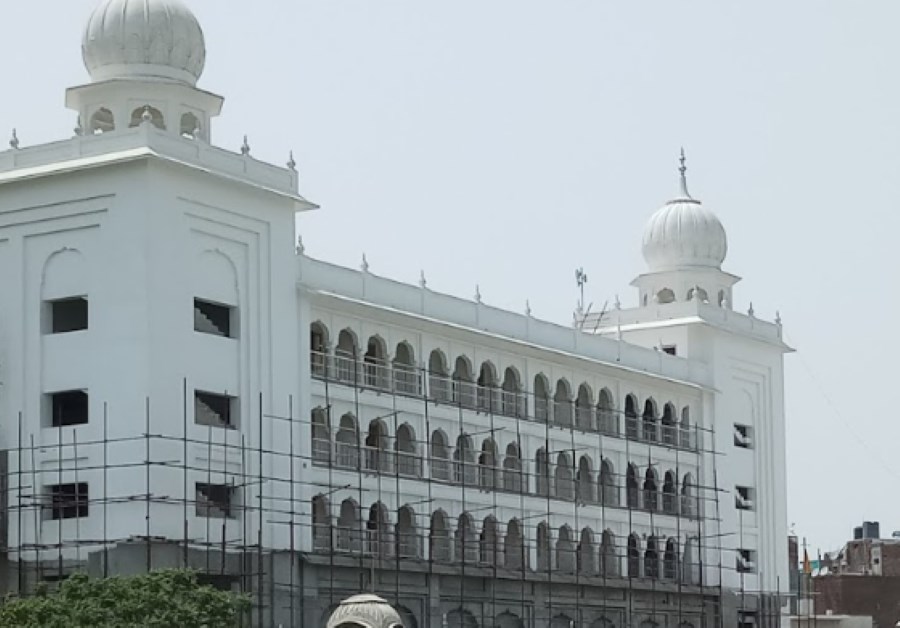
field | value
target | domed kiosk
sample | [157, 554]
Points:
[144, 58]
[685, 246]
[365, 611]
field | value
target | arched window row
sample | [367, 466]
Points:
[487, 388]
[488, 466]
[437, 536]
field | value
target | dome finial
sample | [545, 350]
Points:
[682, 169]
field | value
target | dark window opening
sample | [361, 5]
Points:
[215, 410]
[746, 561]
[220, 582]
[743, 498]
[743, 436]
[214, 318]
[216, 500]
[670, 349]
[68, 315]
[68, 408]
[68, 501]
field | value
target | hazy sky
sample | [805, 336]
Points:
[508, 142]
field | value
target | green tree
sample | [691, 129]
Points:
[161, 599]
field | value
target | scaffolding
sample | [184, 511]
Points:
[255, 508]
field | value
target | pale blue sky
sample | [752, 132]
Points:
[508, 142]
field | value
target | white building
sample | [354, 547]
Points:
[181, 385]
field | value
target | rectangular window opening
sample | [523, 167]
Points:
[216, 501]
[68, 501]
[743, 498]
[215, 410]
[214, 318]
[67, 408]
[746, 561]
[743, 436]
[67, 315]
[670, 349]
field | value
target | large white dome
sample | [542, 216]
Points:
[144, 39]
[683, 233]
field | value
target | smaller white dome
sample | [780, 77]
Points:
[683, 233]
[144, 39]
[368, 610]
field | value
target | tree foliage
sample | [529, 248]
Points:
[161, 599]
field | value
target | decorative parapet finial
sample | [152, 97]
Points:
[618, 303]
[477, 293]
[245, 147]
[751, 312]
[79, 128]
[300, 248]
[146, 115]
[14, 140]
[423, 283]
[292, 163]
[528, 308]
[365, 264]
[778, 318]
[682, 169]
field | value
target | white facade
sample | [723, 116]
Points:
[216, 375]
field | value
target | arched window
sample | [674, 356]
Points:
[376, 365]
[584, 408]
[348, 537]
[487, 388]
[463, 387]
[318, 349]
[461, 619]
[487, 464]
[321, 524]
[607, 420]
[670, 560]
[464, 468]
[439, 537]
[651, 559]
[321, 436]
[609, 558]
[670, 494]
[438, 377]
[102, 121]
[378, 531]
[699, 293]
[542, 472]
[651, 490]
[634, 556]
[562, 404]
[513, 546]
[650, 433]
[632, 427]
[376, 456]
[609, 491]
[562, 621]
[669, 417]
[632, 490]
[585, 481]
[543, 547]
[488, 543]
[512, 469]
[688, 496]
[512, 403]
[407, 537]
[602, 622]
[154, 114]
[665, 296]
[565, 487]
[440, 456]
[587, 553]
[347, 445]
[408, 461]
[406, 377]
[687, 435]
[565, 551]
[466, 539]
[345, 356]
[190, 126]
[541, 398]
[511, 620]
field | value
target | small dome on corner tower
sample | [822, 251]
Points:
[684, 234]
[144, 40]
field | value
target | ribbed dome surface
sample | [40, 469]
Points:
[683, 233]
[144, 39]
